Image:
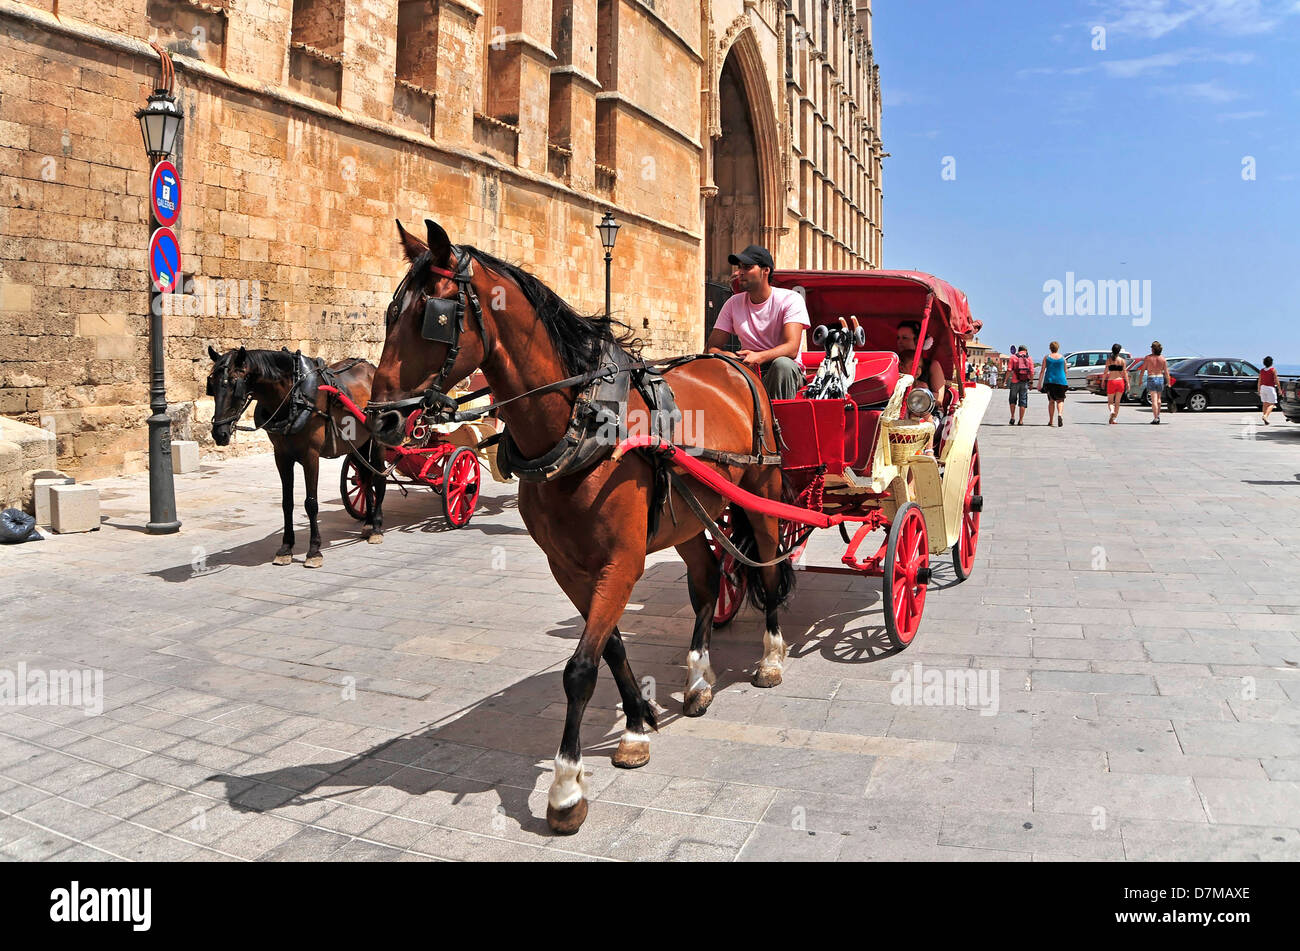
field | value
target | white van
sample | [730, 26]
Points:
[1082, 363]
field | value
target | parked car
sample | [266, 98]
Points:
[1081, 363]
[1288, 395]
[1215, 381]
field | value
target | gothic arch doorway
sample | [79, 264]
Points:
[734, 217]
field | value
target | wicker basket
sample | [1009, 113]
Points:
[907, 439]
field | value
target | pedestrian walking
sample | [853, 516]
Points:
[1020, 375]
[991, 375]
[1155, 373]
[1268, 388]
[1115, 380]
[1051, 380]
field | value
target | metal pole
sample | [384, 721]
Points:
[162, 489]
[608, 257]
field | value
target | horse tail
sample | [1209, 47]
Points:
[742, 536]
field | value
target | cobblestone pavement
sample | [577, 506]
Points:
[1136, 594]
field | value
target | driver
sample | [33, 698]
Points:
[930, 374]
[769, 322]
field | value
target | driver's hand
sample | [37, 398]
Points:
[749, 358]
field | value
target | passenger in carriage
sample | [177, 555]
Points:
[930, 374]
[769, 322]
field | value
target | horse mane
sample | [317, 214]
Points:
[270, 364]
[578, 340]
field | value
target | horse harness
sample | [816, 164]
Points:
[598, 422]
[299, 404]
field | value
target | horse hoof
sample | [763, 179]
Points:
[282, 560]
[376, 538]
[697, 703]
[768, 677]
[630, 755]
[566, 821]
[314, 561]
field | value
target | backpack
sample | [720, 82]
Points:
[1023, 369]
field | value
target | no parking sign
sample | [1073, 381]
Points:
[164, 260]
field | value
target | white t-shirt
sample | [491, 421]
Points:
[760, 326]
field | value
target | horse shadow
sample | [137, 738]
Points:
[338, 530]
[487, 746]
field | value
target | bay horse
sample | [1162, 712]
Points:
[595, 524]
[303, 426]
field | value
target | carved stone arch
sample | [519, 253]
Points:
[739, 41]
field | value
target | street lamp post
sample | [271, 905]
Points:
[608, 233]
[160, 122]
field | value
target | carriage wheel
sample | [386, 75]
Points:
[460, 483]
[731, 589]
[907, 574]
[352, 490]
[963, 550]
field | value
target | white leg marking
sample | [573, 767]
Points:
[569, 784]
[774, 650]
[699, 673]
[630, 737]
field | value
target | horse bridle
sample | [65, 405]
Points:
[443, 322]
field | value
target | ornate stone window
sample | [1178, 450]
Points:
[316, 49]
[414, 96]
[194, 28]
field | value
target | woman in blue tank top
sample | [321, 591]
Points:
[1052, 379]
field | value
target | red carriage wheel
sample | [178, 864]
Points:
[907, 574]
[460, 482]
[731, 590]
[352, 491]
[963, 550]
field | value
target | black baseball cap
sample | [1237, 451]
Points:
[754, 254]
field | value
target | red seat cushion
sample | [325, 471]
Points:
[877, 374]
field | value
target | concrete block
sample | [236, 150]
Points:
[41, 498]
[185, 456]
[74, 508]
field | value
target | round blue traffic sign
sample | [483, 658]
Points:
[164, 260]
[165, 193]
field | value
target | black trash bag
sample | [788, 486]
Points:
[18, 526]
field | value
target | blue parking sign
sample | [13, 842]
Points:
[165, 193]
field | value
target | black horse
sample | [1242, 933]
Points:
[304, 424]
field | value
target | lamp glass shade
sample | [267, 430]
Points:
[608, 228]
[159, 124]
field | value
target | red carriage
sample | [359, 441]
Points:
[443, 458]
[891, 455]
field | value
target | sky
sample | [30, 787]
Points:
[1115, 140]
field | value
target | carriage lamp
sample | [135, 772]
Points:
[608, 228]
[920, 402]
[160, 121]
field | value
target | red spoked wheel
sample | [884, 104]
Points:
[731, 589]
[963, 550]
[352, 490]
[460, 483]
[907, 574]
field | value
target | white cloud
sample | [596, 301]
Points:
[1208, 91]
[1143, 65]
[1237, 116]
[1156, 18]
